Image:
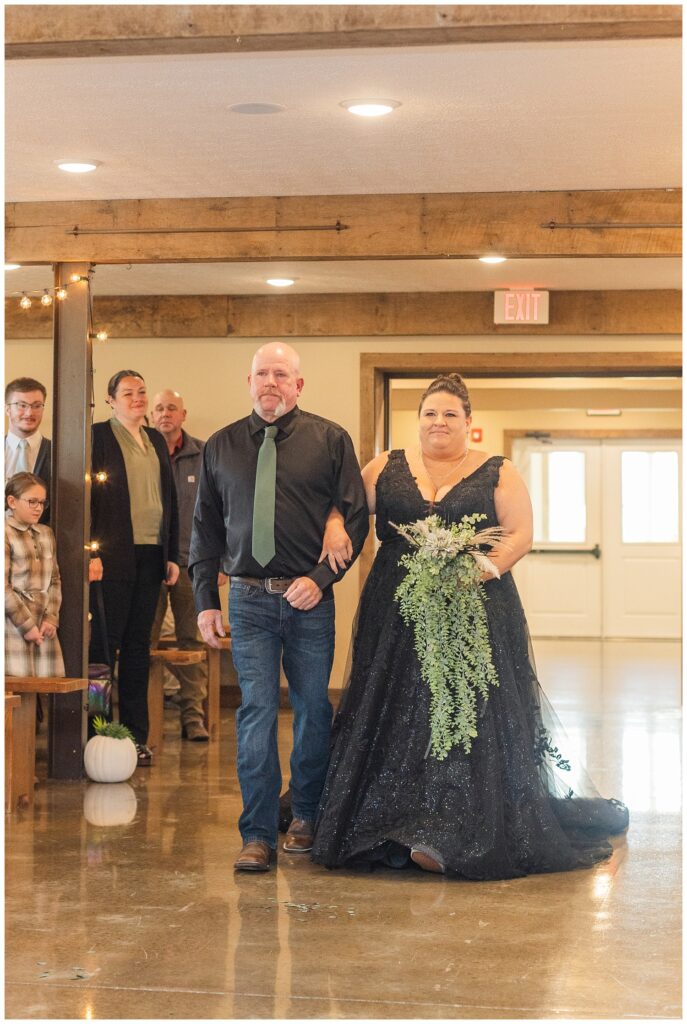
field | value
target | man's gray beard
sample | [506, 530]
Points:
[279, 410]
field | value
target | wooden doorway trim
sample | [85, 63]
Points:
[377, 367]
[593, 434]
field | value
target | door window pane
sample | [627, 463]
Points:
[650, 497]
[567, 505]
[558, 493]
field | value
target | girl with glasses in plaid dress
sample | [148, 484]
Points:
[33, 593]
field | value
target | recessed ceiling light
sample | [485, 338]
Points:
[370, 108]
[492, 259]
[12, 266]
[281, 282]
[77, 166]
[257, 108]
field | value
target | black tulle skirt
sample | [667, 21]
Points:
[516, 804]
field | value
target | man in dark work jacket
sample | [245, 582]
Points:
[280, 606]
[186, 455]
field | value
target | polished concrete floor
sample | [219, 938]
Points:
[122, 903]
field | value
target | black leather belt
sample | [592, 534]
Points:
[272, 584]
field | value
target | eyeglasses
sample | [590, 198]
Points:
[36, 502]
[25, 406]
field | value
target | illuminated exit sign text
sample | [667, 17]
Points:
[521, 307]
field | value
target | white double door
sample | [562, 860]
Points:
[606, 553]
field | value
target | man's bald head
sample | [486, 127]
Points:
[168, 414]
[278, 350]
[166, 395]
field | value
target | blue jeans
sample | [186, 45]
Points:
[265, 630]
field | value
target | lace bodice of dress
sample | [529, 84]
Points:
[400, 501]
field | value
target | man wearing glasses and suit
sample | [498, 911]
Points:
[26, 450]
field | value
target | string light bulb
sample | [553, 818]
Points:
[101, 336]
[61, 294]
[25, 301]
[74, 278]
[93, 546]
[101, 477]
[46, 298]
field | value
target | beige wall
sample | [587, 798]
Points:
[494, 422]
[211, 374]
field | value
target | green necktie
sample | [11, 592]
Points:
[22, 465]
[264, 500]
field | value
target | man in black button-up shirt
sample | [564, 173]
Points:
[317, 471]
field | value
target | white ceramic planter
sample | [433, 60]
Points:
[110, 760]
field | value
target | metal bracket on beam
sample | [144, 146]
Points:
[77, 232]
[555, 226]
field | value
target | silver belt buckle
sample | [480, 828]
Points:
[280, 588]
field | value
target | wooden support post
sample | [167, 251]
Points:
[70, 500]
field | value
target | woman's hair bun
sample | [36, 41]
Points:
[452, 384]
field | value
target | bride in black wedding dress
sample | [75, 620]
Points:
[515, 804]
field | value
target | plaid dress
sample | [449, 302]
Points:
[33, 595]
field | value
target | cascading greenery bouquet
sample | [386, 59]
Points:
[442, 597]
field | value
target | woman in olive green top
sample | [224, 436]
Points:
[134, 522]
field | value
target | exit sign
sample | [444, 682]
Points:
[521, 307]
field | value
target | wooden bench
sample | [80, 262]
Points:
[19, 779]
[211, 701]
[12, 701]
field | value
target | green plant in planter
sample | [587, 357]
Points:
[110, 755]
[114, 729]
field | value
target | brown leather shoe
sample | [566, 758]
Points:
[194, 731]
[427, 859]
[299, 836]
[255, 856]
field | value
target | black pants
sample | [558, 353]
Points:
[129, 612]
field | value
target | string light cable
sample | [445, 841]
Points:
[47, 296]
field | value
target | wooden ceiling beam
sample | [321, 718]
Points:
[632, 222]
[95, 30]
[392, 314]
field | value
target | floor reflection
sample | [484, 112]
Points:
[619, 704]
[122, 903]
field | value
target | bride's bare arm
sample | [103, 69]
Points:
[371, 474]
[514, 513]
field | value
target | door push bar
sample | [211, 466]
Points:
[595, 551]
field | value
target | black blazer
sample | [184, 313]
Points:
[111, 507]
[42, 469]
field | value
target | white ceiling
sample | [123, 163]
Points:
[488, 117]
[364, 276]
